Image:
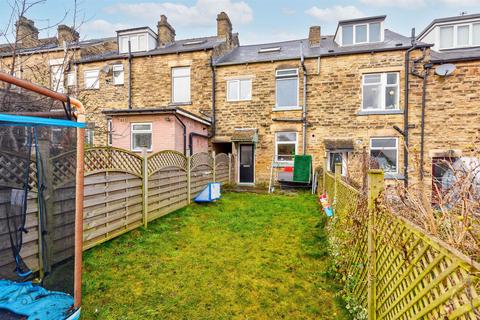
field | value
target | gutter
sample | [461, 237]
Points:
[129, 75]
[184, 134]
[304, 114]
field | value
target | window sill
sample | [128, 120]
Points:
[140, 151]
[287, 108]
[394, 176]
[283, 164]
[243, 100]
[180, 103]
[378, 112]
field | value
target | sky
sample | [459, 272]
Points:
[256, 21]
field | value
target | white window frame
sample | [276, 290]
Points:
[96, 83]
[239, 81]
[455, 35]
[384, 85]
[109, 132]
[54, 64]
[387, 148]
[344, 160]
[132, 132]
[277, 143]
[189, 100]
[71, 79]
[287, 77]
[135, 43]
[118, 68]
[354, 30]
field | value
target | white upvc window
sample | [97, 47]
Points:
[380, 91]
[90, 134]
[138, 42]
[361, 33]
[141, 136]
[91, 79]
[109, 132]
[286, 146]
[239, 89]
[384, 154]
[286, 90]
[118, 74]
[335, 157]
[71, 79]
[181, 85]
[459, 36]
[57, 75]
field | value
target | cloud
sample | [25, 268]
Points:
[101, 28]
[203, 13]
[397, 3]
[334, 13]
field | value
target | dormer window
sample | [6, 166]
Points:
[361, 33]
[140, 39]
[459, 36]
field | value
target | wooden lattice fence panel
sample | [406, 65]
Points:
[201, 172]
[416, 275]
[222, 165]
[167, 183]
[105, 159]
[112, 205]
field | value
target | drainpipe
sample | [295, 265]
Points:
[190, 140]
[304, 114]
[422, 134]
[214, 82]
[184, 134]
[405, 111]
[129, 75]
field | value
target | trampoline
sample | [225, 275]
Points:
[41, 202]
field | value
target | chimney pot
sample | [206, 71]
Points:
[314, 36]
[224, 26]
[166, 33]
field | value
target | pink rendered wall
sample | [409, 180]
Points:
[200, 144]
[167, 132]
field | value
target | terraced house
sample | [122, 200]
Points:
[331, 96]
[363, 92]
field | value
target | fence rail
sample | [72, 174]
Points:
[123, 191]
[396, 270]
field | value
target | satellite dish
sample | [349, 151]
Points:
[106, 68]
[444, 70]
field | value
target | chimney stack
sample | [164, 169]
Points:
[224, 26]
[166, 33]
[27, 33]
[314, 36]
[67, 34]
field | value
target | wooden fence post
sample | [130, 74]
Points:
[338, 177]
[214, 166]
[229, 168]
[189, 178]
[375, 187]
[145, 186]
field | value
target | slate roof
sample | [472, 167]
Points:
[290, 50]
[455, 55]
[199, 44]
[51, 44]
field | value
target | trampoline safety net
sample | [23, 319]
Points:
[37, 195]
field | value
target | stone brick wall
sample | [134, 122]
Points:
[151, 86]
[333, 99]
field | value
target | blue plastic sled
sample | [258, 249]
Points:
[210, 193]
[36, 303]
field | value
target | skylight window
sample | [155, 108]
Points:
[192, 43]
[268, 50]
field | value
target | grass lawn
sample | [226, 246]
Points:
[246, 256]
